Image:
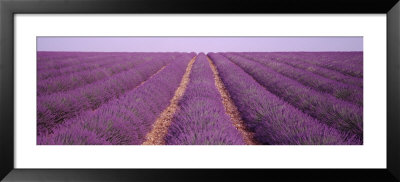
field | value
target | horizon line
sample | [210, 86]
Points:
[193, 51]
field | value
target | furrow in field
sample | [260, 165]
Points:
[231, 109]
[332, 61]
[43, 56]
[339, 90]
[201, 118]
[82, 64]
[79, 67]
[334, 112]
[55, 108]
[126, 120]
[327, 73]
[79, 79]
[53, 65]
[160, 126]
[272, 120]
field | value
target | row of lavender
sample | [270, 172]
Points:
[96, 72]
[347, 63]
[48, 56]
[54, 108]
[271, 114]
[124, 120]
[339, 90]
[301, 63]
[272, 119]
[283, 99]
[334, 112]
[55, 67]
[57, 63]
[85, 64]
[201, 118]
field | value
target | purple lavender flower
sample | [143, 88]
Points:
[272, 120]
[201, 118]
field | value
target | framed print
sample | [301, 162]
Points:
[124, 91]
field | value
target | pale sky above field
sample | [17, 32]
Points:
[199, 44]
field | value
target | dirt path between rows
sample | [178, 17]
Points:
[230, 107]
[160, 126]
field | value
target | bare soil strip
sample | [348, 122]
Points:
[230, 108]
[160, 126]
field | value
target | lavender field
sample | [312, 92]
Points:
[220, 98]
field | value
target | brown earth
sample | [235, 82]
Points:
[230, 108]
[160, 126]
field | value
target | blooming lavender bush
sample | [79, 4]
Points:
[125, 120]
[59, 63]
[282, 98]
[342, 91]
[272, 120]
[324, 107]
[201, 118]
[94, 63]
[55, 108]
[78, 79]
[347, 63]
[301, 64]
[46, 56]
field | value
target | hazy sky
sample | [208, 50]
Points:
[199, 44]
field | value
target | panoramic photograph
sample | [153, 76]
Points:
[199, 90]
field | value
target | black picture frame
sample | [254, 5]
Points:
[9, 8]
